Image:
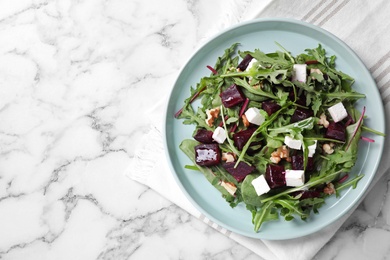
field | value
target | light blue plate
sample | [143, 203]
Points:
[295, 36]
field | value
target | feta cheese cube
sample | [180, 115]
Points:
[299, 72]
[219, 135]
[312, 149]
[261, 186]
[254, 116]
[292, 143]
[295, 178]
[250, 65]
[338, 112]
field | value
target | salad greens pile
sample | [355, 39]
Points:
[287, 107]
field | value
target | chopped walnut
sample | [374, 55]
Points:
[328, 148]
[323, 121]
[245, 120]
[329, 189]
[275, 159]
[258, 86]
[318, 71]
[228, 157]
[230, 187]
[211, 115]
[280, 153]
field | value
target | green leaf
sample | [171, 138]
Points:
[231, 120]
[264, 214]
[249, 194]
[257, 91]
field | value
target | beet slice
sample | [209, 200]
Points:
[336, 131]
[301, 100]
[245, 62]
[297, 163]
[242, 137]
[204, 136]
[270, 107]
[275, 176]
[240, 172]
[308, 194]
[207, 154]
[301, 114]
[232, 96]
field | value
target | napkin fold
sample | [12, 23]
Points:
[149, 167]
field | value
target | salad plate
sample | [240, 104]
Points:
[295, 36]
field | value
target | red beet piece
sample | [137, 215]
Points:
[297, 163]
[245, 62]
[207, 154]
[232, 96]
[204, 136]
[301, 114]
[270, 107]
[309, 194]
[301, 100]
[336, 131]
[242, 137]
[275, 176]
[240, 172]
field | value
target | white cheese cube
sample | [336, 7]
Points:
[250, 65]
[312, 148]
[295, 178]
[219, 135]
[254, 116]
[292, 143]
[261, 186]
[338, 112]
[299, 72]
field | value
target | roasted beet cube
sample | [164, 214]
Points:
[308, 194]
[232, 96]
[297, 163]
[207, 154]
[270, 107]
[275, 176]
[336, 131]
[254, 148]
[204, 136]
[301, 114]
[245, 62]
[242, 137]
[301, 100]
[240, 172]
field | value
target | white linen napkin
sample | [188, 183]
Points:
[150, 168]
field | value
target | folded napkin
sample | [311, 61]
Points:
[150, 168]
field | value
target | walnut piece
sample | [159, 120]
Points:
[211, 115]
[228, 157]
[328, 148]
[245, 120]
[230, 187]
[329, 189]
[323, 121]
[280, 153]
[275, 159]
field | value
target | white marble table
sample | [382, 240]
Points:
[76, 78]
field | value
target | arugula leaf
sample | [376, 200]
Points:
[266, 213]
[294, 129]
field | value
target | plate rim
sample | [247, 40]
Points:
[355, 201]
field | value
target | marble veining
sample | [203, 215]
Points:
[77, 79]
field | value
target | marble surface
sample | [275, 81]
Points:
[76, 80]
